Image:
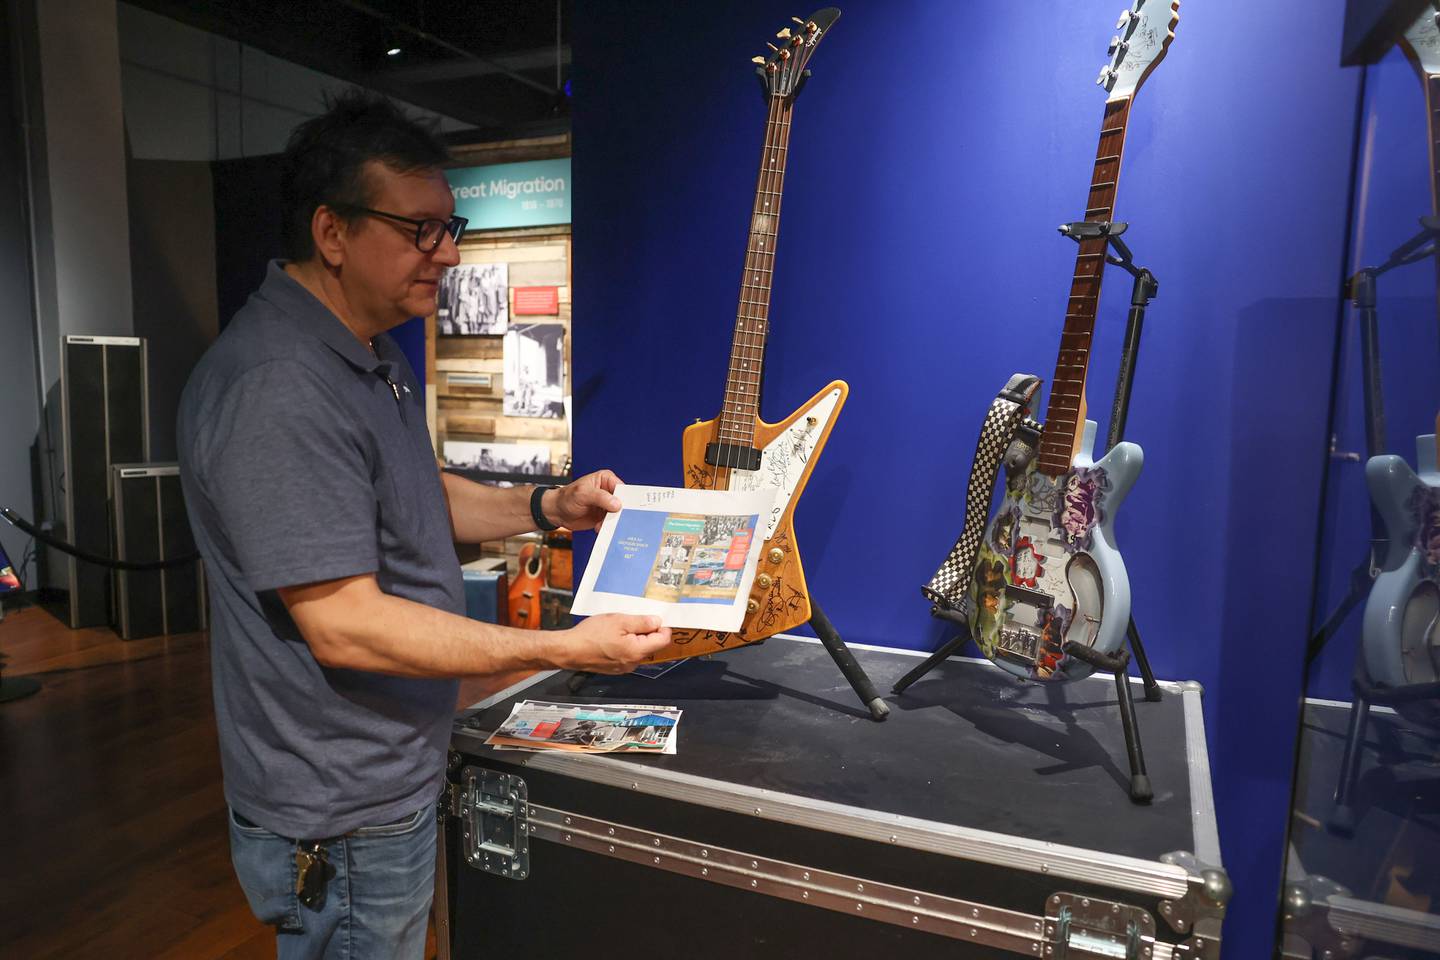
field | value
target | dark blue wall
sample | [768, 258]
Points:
[933, 154]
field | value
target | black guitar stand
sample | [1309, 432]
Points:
[1367, 694]
[1361, 290]
[1145, 289]
[859, 680]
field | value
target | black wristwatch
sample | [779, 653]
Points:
[536, 513]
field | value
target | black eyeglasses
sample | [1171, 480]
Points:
[428, 233]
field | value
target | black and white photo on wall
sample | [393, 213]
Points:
[535, 370]
[474, 300]
[531, 458]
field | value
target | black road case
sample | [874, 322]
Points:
[986, 817]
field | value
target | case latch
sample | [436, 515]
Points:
[495, 822]
[1086, 927]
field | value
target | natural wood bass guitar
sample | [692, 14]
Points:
[737, 450]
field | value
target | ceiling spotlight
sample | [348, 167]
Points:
[393, 52]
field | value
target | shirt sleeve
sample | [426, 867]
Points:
[285, 466]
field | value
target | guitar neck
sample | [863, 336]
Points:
[1065, 412]
[752, 317]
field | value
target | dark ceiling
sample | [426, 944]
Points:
[489, 63]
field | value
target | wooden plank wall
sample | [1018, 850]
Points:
[536, 257]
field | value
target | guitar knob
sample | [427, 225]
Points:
[763, 581]
[752, 606]
[775, 555]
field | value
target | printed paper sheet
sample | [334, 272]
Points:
[686, 556]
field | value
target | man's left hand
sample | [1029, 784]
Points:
[583, 504]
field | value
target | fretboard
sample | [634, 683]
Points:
[752, 317]
[1066, 409]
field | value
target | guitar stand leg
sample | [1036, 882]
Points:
[1152, 689]
[1342, 820]
[1140, 791]
[1118, 665]
[941, 654]
[1360, 581]
[847, 663]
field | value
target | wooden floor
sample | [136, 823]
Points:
[113, 840]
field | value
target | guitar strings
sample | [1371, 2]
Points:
[749, 343]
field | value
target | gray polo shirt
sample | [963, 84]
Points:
[301, 463]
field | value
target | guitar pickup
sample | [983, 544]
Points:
[732, 455]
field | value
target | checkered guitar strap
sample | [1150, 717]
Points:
[949, 589]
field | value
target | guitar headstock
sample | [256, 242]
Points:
[783, 70]
[1145, 32]
[1421, 42]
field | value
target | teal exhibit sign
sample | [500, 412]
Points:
[532, 194]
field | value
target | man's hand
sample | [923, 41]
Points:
[583, 504]
[610, 643]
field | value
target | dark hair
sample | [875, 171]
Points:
[325, 157]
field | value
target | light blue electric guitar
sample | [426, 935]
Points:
[1401, 636]
[1048, 571]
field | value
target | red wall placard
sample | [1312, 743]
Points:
[537, 301]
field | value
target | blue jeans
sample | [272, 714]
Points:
[377, 903]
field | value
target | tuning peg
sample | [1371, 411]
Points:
[1117, 48]
[784, 34]
[760, 60]
[773, 47]
[798, 20]
[1107, 76]
[1125, 17]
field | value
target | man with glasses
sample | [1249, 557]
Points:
[337, 626]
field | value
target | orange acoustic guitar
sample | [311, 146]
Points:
[524, 596]
[737, 450]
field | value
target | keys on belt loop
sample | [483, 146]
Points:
[313, 871]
